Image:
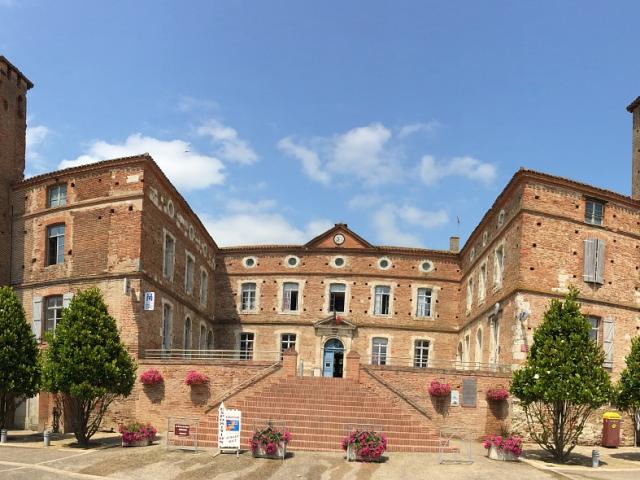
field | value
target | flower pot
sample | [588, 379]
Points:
[496, 454]
[145, 442]
[352, 456]
[280, 453]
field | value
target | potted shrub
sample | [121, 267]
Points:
[137, 434]
[438, 389]
[151, 377]
[270, 442]
[502, 448]
[195, 378]
[364, 445]
[497, 394]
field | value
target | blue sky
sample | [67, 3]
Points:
[277, 119]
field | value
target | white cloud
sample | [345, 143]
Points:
[189, 104]
[311, 163]
[392, 222]
[35, 137]
[244, 206]
[431, 171]
[228, 143]
[411, 128]
[260, 228]
[186, 168]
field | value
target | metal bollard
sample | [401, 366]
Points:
[3, 436]
[595, 458]
[47, 439]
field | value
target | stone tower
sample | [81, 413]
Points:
[634, 109]
[13, 126]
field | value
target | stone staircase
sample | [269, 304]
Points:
[319, 412]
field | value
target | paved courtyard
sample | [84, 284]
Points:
[25, 458]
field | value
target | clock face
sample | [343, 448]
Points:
[338, 239]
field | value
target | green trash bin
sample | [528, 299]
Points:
[611, 429]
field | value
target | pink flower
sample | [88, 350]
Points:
[151, 377]
[195, 378]
[437, 389]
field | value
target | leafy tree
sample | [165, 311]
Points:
[19, 368]
[563, 381]
[628, 388]
[87, 364]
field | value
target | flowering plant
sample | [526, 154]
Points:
[151, 377]
[269, 440]
[497, 394]
[437, 389]
[510, 444]
[368, 445]
[195, 378]
[135, 432]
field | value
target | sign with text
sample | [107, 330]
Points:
[229, 427]
[181, 430]
[149, 300]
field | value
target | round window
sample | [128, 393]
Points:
[249, 262]
[292, 261]
[339, 262]
[426, 266]
[384, 263]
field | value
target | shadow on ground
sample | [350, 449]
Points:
[574, 458]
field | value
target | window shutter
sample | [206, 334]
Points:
[36, 324]
[589, 273]
[599, 266]
[609, 334]
[66, 299]
[377, 307]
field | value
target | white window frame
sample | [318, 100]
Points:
[288, 342]
[255, 300]
[280, 295]
[189, 274]
[291, 257]
[284, 297]
[244, 353]
[593, 219]
[347, 290]
[389, 263]
[418, 362]
[414, 300]
[333, 261]
[380, 352]
[482, 282]
[374, 295]
[424, 303]
[57, 312]
[168, 271]
[204, 287]
[469, 293]
[596, 328]
[60, 244]
[498, 267]
[479, 346]
[60, 201]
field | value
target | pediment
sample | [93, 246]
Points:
[340, 236]
[334, 321]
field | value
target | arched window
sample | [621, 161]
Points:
[209, 340]
[187, 336]
[478, 348]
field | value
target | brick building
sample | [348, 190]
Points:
[405, 315]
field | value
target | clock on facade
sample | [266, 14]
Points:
[338, 239]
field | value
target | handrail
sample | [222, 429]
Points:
[390, 361]
[197, 354]
[242, 385]
[396, 391]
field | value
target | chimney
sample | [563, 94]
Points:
[634, 109]
[454, 244]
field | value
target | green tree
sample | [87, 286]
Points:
[628, 388]
[19, 367]
[86, 364]
[563, 381]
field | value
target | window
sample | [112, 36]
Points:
[384, 263]
[482, 282]
[169, 255]
[336, 297]
[338, 262]
[469, 294]
[472, 254]
[421, 353]
[501, 218]
[204, 287]
[290, 297]
[203, 337]
[423, 308]
[248, 297]
[479, 347]
[189, 268]
[379, 351]
[426, 266]
[381, 300]
[498, 266]
[593, 212]
[287, 341]
[246, 346]
[186, 344]
[249, 262]
[485, 237]
[167, 317]
[292, 261]
[593, 260]
[57, 196]
[55, 244]
[595, 328]
[53, 312]
[209, 340]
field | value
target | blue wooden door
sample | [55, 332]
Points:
[332, 347]
[327, 363]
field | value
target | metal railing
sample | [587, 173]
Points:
[435, 364]
[212, 355]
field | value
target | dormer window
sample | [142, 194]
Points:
[57, 196]
[593, 211]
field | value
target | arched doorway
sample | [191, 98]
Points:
[333, 358]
